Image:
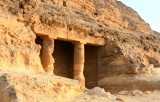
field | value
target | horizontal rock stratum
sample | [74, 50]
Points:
[86, 40]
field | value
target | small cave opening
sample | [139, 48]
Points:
[63, 55]
[39, 41]
[91, 66]
[64, 4]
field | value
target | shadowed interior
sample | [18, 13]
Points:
[90, 66]
[63, 55]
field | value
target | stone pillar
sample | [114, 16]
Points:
[47, 58]
[79, 62]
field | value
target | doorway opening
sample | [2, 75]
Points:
[63, 55]
[39, 41]
[90, 66]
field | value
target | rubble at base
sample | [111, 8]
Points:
[29, 87]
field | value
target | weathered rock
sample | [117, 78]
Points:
[18, 50]
[132, 82]
[126, 44]
[97, 91]
[24, 87]
[120, 99]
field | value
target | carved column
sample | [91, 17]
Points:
[79, 62]
[47, 58]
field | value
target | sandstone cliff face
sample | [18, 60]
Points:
[130, 46]
[107, 21]
[18, 50]
[111, 12]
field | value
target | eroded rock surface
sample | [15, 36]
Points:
[18, 50]
[24, 87]
[127, 45]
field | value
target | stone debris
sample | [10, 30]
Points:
[131, 93]
[100, 92]
[120, 99]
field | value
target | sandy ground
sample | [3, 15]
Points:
[98, 95]
[148, 96]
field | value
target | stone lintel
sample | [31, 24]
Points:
[64, 33]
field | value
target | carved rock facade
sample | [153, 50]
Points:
[107, 38]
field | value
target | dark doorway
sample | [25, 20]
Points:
[90, 66]
[39, 41]
[63, 55]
